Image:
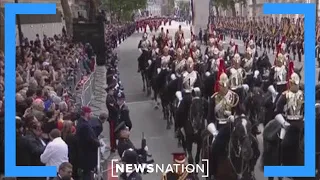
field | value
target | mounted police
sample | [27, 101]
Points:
[144, 47]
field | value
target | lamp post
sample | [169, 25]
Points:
[20, 33]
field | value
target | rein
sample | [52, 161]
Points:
[244, 166]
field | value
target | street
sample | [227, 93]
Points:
[145, 118]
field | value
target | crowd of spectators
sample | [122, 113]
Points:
[48, 122]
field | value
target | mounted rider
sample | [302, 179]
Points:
[212, 56]
[222, 103]
[232, 48]
[179, 64]
[282, 48]
[144, 46]
[290, 114]
[248, 65]
[195, 52]
[237, 76]
[178, 35]
[278, 77]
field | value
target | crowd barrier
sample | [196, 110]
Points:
[84, 88]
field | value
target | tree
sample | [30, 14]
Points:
[184, 8]
[123, 8]
[229, 4]
[67, 16]
[170, 7]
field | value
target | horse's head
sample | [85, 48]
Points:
[196, 115]
[256, 97]
[241, 138]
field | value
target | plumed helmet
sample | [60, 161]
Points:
[223, 80]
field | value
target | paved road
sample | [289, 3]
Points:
[145, 118]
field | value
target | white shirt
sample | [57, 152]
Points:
[55, 153]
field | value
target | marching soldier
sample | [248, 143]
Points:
[290, 114]
[180, 174]
[113, 114]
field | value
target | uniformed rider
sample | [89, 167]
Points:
[248, 65]
[221, 111]
[180, 172]
[195, 52]
[179, 64]
[209, 52]
[144, 47]
[237, 75]
[290, 114]
[278, 77]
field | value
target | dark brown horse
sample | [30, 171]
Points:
[233, 157]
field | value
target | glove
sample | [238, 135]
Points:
[140, 50]
[256, 73]
[146, 148]
[231, 118]
[227, 113]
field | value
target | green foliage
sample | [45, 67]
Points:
[123, 6]
[226, 4]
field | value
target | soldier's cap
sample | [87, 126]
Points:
[179, 158]
[130, 156]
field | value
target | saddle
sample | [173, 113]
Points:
[271, 130]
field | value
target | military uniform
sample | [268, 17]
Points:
[144, 45]
[130, 156]
[123, 113]
[113, 115]
[179, 158]
[290, 114]
[278, 77]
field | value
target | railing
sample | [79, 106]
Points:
[84, 90]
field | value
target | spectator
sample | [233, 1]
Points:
[56, 152]
[64, 172]
[97, 123]
[88, 144]
[68, 135]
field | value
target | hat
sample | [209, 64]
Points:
[121, 95]
[86, 109]
[179, 158]
[120, 126]
[130, 156]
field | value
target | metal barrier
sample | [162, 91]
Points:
[84, 90]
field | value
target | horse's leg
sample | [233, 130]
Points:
[143, 81]
[155, 97]
[189, 150]
[199, 147]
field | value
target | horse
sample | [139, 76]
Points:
[143, 65]
[231, 155]
[254, 103]
[273, 154]
[193, 127]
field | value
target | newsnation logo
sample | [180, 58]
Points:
[118, 168]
